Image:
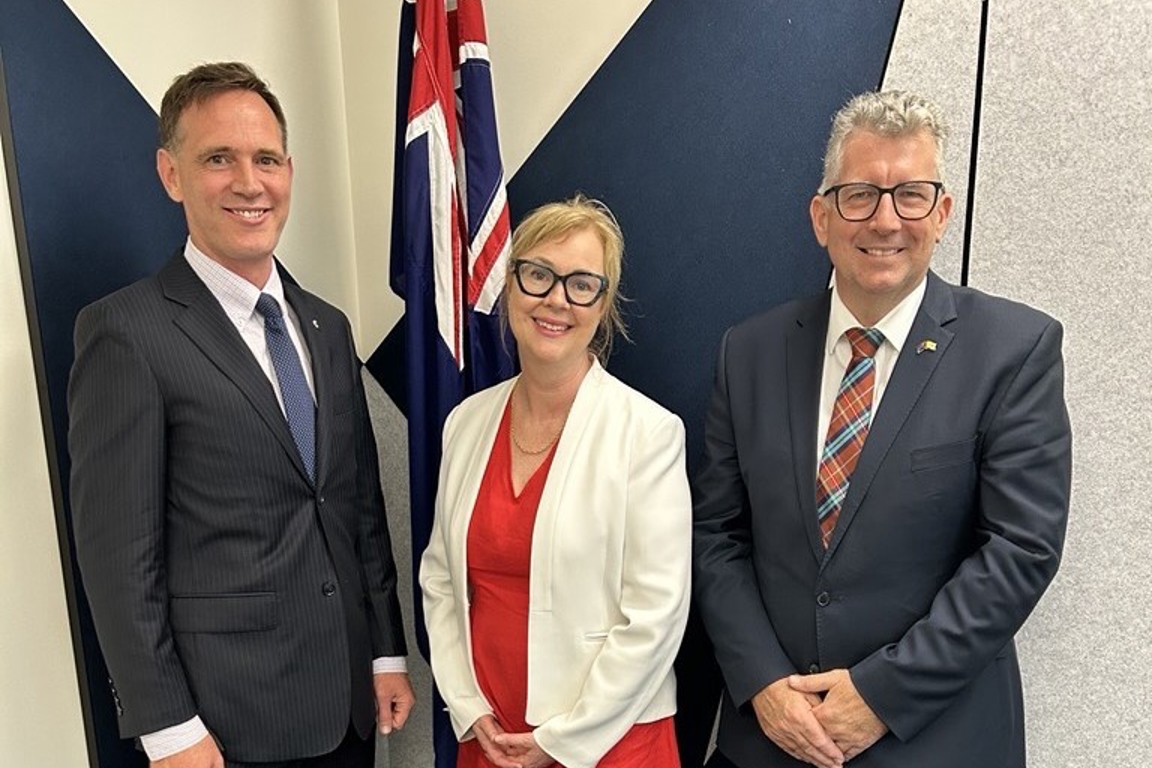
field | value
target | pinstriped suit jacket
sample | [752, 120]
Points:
[222, 582]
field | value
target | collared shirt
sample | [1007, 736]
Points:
[238, 298]
[896, 325]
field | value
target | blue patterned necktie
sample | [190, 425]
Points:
[299, 407]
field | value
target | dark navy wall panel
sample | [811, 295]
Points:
[704, 132]
[95, 218]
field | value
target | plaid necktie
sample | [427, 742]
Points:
[299, 407]
[851, 415]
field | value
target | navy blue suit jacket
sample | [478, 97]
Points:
[952, 528]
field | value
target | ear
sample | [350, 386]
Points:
[942, 215]
[819, 212]
[169, 174]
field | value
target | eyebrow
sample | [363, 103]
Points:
[227, 150]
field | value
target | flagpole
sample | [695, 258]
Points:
[974, 149]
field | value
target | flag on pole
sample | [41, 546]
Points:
[450, 244]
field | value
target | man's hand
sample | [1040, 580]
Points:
[786, 716]
[202, 754]
[846, 717]
[394, 700]
[486, 729]
[524, 750]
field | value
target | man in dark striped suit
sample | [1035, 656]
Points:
[225, 491]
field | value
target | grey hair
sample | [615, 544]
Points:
[885, 113]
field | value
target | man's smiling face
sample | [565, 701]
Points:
[230, 170]
[881, 260]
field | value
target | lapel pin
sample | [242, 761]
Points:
[316, 325]
[926, 346]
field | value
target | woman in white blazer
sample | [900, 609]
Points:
[556, 581]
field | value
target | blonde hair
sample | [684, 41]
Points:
[556, 221]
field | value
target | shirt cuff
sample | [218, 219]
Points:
[177, 738]
[385, 664]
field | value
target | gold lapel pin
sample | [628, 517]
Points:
[926, 346]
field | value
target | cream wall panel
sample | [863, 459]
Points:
[40, 718]
[1063, 221]
[934, 54]
[543, 54]
[369, 39]
[295, 46]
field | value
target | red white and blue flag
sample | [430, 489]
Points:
[450, 243]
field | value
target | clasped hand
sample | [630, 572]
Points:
[509, 750]
[820, 719]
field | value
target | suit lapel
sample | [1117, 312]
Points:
[321, 353]
[585, 409]
[204, 322]
[907, 383]
[804, 358]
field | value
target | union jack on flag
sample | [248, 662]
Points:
[450, 243]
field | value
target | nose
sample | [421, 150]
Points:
[244, 179]
[556, 296]
[885, 218]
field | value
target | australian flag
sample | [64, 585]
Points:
[450, 244]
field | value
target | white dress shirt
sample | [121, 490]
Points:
[238, 299]
[896, 325]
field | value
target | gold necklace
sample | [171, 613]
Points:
[518, 444]
[541, 449]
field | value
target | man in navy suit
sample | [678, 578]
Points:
[225, 490]
[885, 486]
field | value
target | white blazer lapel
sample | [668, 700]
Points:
[569, 447]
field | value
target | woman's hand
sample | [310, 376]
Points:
[486, 730]
[524, 750]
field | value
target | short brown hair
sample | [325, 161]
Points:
[556, 221]
[207, 80]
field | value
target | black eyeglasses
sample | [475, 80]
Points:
[580, 288]
[913, 200]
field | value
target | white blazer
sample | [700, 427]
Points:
[609, 576]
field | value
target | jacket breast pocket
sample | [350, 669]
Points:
[239, 612]
[944, 455]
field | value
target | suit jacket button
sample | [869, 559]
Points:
[328, 589]
[813, 668]
[823, 599]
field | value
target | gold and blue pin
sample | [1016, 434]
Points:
[928, 345]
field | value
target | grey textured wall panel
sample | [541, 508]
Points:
[935, 54]
[411, 747]
[1063, 221]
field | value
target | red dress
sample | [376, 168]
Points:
[499, 558]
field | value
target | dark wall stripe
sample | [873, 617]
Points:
[95, 218]
[973, 150]
[704, 131]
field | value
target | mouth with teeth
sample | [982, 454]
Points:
[550, 327]
[880, 251]
[249, 214]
